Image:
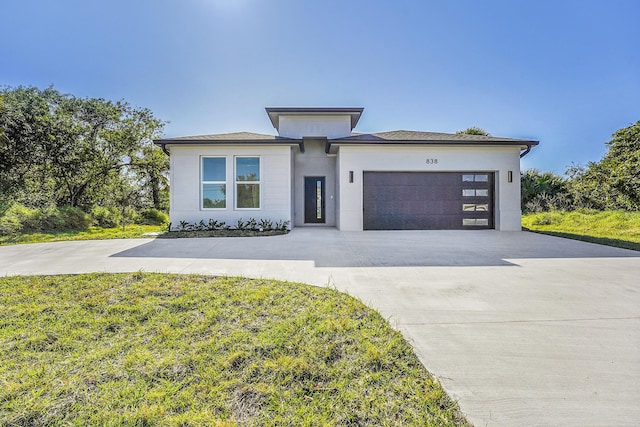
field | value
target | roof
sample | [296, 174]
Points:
[392, 137]
[408, 135]
[275, 113]
[223, 137]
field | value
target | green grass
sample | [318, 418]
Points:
[613, 228]
[130, 232]
[149, 349]
[93, 233]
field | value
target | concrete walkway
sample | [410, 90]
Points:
[520, 328]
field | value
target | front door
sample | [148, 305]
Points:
[314, 199]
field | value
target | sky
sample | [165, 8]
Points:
[564, 72]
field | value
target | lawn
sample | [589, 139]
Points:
[93, 233]
[614, 228]
[149, 349]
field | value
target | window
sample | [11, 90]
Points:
[470, 192]
[247, 182]
[471, 207]
[214, 183]
[475, 178]
[475, 221]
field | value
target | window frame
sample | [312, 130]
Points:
[203, 183]
[236, 182]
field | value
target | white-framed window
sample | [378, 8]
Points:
[213, 183]
[247, 182]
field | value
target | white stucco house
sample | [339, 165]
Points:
[317, 171]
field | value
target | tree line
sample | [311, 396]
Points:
[86, 155]
[60, 150]
[612, 183]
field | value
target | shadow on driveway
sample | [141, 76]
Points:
[328, 247]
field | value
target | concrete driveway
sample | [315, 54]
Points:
[520, 328]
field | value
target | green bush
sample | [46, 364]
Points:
[21, 219]
[132, 216]
[106, 217]
[154, 217]
[9, 225]
[69, 218]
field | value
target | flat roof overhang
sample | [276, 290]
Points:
[275, 113]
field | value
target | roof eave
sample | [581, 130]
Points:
[523, 144]
[163, 143]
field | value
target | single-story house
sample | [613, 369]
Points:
[317, 171]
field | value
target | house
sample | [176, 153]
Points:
[316, 171]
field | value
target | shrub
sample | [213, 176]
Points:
[18, 218]
[154, 217]
[130, 216]
[21, 219]
[545, 202]
[9, 225]
[70, 218]
[106, 217]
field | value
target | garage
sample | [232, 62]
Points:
[428, 200]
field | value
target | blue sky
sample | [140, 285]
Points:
[565, 72]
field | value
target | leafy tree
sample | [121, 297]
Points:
[473, 130]
[623, 162]
[151, 167]
[57, 149]
[614, 181]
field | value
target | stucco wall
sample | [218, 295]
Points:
[314, 162]
[406, 158]
[275, 188]
[300, 126]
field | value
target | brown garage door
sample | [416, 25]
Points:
[428, 200]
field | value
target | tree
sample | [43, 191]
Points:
[57, 149]
[543, 191]
[473, 130]
[614, 181]
[623, 162]
[152, 167]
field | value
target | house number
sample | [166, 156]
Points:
[432, 161]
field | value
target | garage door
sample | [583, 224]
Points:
[428, 200]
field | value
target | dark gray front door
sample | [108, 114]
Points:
[314, 200]
[428, 200]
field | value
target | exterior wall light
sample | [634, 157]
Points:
[510, 176]
[351, 176]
